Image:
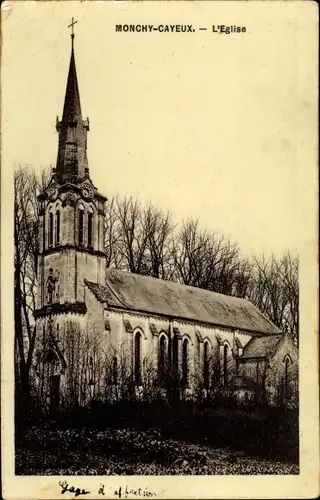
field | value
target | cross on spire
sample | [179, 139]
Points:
[73, 22]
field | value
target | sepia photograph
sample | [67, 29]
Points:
[161, 210]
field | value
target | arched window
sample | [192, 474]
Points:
[50, 229]
[137, 358]
[286, 376]
[225, 363]
[206, 365]
[80, 225]
[90, 228]
[185, 360]
[162, 358]
[57, 227]
[175, 354]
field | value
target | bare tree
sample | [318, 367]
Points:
[274, 290]
[137, 237]
[207, 260]
[225, 263]
[288, 269]
[243, 279]
[189, 253]
[112, 235]
[158, 228]
[118, 374]
[78, 355]
[26, 223]
[132, 239]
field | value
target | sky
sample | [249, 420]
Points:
[217, 127]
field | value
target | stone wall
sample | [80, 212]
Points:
[282, 388]
[121, 328]
[105, 338]
[270, 373]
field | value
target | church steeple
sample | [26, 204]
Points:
[72, 162]
[72, 106]
[71, 214]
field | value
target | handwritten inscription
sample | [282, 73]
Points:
[121, 492]
[136, 492]
[71, 489]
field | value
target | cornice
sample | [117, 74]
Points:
[78, 248]
[74, 188]
[65, 308]
[182, 321]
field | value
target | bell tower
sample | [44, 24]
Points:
[71, 235]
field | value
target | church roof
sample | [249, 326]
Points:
[260, 347]
[139, 293]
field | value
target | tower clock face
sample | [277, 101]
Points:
[87, 191]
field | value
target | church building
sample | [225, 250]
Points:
[105, 334]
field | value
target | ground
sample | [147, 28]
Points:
[131, 452]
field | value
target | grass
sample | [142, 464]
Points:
[132, 452]
[132, 438]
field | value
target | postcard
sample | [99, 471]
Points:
[159, 250]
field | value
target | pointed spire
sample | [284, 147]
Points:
[72, 107]
[72, 163]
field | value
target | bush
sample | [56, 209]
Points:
[268, 432]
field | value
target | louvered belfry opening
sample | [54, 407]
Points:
[50, 230]
[57, 227]
[81, 227]
[90, 226]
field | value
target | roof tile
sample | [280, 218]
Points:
[260, 347]
[151, 295]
